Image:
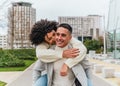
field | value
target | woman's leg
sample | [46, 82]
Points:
[89, 82]
[42, 81]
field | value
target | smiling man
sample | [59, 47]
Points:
[43, 36]
[60, 74]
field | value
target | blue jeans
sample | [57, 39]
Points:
[42, 81]
[89, 82]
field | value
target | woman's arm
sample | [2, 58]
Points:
[50, 55]
[47, 55]
[76, 44]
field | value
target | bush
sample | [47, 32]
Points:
[25, 54]
[93, 45]
[16, 57]
[9, 60]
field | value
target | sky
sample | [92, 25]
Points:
[52, 9]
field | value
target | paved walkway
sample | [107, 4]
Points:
[108, 81]
[25, 79]
[8, 77]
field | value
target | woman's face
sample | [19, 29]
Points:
[50, 37]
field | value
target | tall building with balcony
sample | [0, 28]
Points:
[21, 17]
[87, 26]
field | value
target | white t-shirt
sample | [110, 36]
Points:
[59, 80]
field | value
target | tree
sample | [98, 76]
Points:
[93, 45]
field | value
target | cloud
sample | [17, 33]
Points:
[51, 9]
[3, 27]
[3, 31]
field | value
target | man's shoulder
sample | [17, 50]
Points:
[74, 40]
[52, 47]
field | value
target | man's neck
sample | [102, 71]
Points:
[63, 48]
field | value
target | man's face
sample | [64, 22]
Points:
[50, 37]
[63, 37]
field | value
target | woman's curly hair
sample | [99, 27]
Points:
[40, 29]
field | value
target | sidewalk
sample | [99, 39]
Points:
[8, 77]
[108, 81]
[24, 79]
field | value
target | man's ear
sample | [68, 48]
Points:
[70, 37]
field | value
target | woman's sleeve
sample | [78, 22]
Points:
[76, 44]
[47, 55]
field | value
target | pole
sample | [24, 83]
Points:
[104, 35]
[114, 44]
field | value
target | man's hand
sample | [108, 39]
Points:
[64, 70]
[71, 53]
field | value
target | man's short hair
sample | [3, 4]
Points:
[40, 29]
[67, 26]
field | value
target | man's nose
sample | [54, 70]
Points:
[59, 36]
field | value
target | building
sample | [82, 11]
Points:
[3, 41]
[21, 17]
[87, 26]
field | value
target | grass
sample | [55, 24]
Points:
[27, 62]
[2, 83]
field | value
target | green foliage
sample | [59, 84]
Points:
[93, 45]
[27, 64]
[10, 60]
[15, 58]
[2, 83]
[24, 53]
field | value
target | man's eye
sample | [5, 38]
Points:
[63, 35]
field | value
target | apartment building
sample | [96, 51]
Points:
[84, 26]
[21, 17]
[3, 41]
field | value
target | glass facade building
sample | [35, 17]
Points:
[113, 29]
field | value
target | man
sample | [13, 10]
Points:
[76, 73]
[42, 35]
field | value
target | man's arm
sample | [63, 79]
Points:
[76, 44]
